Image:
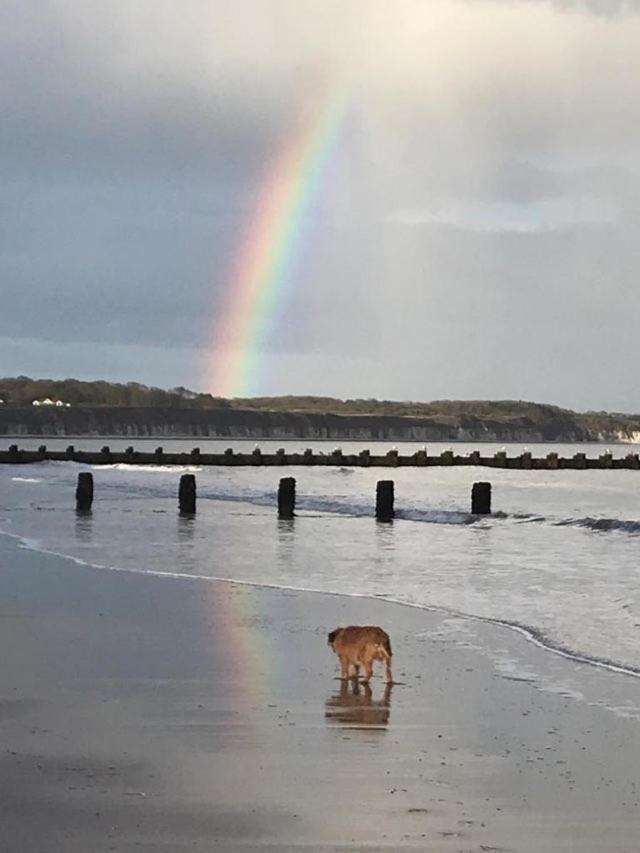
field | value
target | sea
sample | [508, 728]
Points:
[557, 561]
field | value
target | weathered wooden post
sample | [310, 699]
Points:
[42, 450]
[280, 456]
[13, 451]
[606, 460]
[552, 461]
[526, 460]
[632, 461]
[365, 458]
[195, 454]
[500, 459]
[228, 456]
[474, 457]
[481, 499]
[308, 456]
[384, 500]
[392, 456]
[84, 491]
[420, 457]
[187, 494]
[105, 451]
[580, 460]
[287, 497]
[159, 454]
[70, 451]
[447, 457]
[129, 452]
[336, 456]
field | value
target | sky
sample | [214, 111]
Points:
[472, 233]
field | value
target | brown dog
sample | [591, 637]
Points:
[361, 645]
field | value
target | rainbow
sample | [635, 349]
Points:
[263, 267]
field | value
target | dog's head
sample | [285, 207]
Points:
[331, 636]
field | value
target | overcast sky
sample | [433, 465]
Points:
[476, 234]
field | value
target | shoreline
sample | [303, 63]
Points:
[531, 635]
[143, 714]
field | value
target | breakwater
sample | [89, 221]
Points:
[365, 459]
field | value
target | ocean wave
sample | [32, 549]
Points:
[601, 525]
[148, 469]
[530, 633]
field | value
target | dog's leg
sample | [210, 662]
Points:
[385, 657]
[368, 671]
[389, 672]
[344, 668]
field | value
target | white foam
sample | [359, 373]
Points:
[148, 469]
[529, 634]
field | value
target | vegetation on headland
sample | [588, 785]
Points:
[107, 408]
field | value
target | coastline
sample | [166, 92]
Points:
[143, 712]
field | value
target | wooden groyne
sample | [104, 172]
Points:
[365, 459]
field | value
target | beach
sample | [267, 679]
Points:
[168, 714]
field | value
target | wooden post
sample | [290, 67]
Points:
[481, 499]
[606, 460]
[84, 491]
[365, 458]
[580, 460]
[42, 450]
[526, 460]
[384, 500]
[287, 497]
[421, 458]
[187, 494]
[256, 456]
[195, 454]
[159, 454]
[392, 456]
[552, 461]
[308, 456]
[280, 456]
[70, 451]
[447, 457]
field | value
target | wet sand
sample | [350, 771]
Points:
[150, 714]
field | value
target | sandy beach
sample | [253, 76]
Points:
[141, 713]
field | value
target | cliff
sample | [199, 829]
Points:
[545, 424]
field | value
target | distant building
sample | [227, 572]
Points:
[49, 402]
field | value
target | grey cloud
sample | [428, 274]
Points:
[135, 140]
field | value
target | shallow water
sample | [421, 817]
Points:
[559, 557]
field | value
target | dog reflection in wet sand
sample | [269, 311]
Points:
[354, 706]
[359, 646]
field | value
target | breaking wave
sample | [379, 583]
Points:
[602, 525]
